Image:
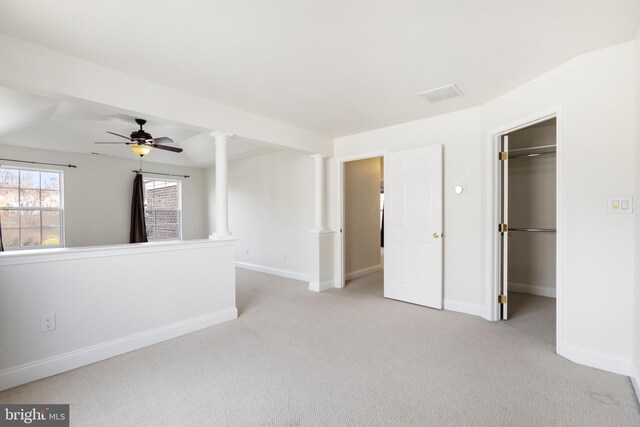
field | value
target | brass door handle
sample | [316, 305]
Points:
[436, 235]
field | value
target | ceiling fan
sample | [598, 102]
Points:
[142, 142]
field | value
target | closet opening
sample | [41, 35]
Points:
[363, 221]
[527, 227]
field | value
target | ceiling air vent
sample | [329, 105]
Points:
[442, 93]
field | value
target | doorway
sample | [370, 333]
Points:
[527, 228]
[413, 221]
[363, 216]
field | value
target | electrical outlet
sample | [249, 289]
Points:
[47, 322]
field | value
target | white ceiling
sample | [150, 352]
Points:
[331, 66]
[38, 122]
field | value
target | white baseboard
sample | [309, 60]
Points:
[461, 307]
[43, 368]
[590, 358]
[322, 286]
[532, 289]
[274, 271]
[635, 380]
[362, 272]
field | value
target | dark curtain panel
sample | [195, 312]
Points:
[138, 227]
[382, 229]
[1, 245]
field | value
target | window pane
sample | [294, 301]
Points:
[50, 180]
[50, 219]
[9, 178]
[166, 225]
[29, 198]
[151, 232]
[30, 237]
[50, 236]
[29, 179]
[161, 209]
[50, 198]
[9, 197]
[10, 219]
[167, 197]
[30, 219]
[11, 238]
[148, 200]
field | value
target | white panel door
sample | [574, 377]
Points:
[413, 226]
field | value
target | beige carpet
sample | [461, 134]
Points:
[345, 358]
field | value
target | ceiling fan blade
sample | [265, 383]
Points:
[165, 147]
[111, 142]
[121, 136]
[162, 140]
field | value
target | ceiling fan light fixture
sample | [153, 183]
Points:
[141, 150]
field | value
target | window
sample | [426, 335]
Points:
[162, 209]
[31, 208]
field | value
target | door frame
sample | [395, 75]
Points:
[340, 253]
[492, 286]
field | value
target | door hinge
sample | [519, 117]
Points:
[502, 228]
[503, 155]
[502, 299]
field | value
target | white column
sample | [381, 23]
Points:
[319, 199]
[321, 270]
[222, 208]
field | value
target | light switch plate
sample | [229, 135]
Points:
[620, 204]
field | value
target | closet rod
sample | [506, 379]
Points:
[39, 163]
[534, 230]
[540, 147]
[160, 173]
[532, 155]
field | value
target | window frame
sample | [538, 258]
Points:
[178, 210]
[37, 208]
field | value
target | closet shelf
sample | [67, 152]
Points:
[548, 151]
[534, 230]
[532, 155]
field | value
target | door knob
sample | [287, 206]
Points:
[436, 235]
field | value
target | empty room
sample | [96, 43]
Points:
[320, 213]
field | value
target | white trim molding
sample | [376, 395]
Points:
[590, 358]
[274, 271]
[33, 256]
[525, 288]
[43, 368]
[362, 272]
[635, 380]
[321, 286]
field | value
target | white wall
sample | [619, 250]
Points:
[97, 195]
[107, 301]
[598, 104]
[271, 212]
[362, 216]
[532, 203]
[635, 374]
